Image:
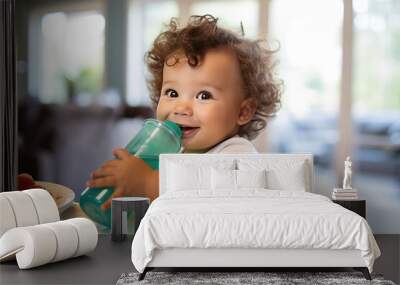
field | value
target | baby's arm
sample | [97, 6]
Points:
[129, 175]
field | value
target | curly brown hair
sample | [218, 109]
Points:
[202, 34]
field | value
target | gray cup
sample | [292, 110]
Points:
[126, 214]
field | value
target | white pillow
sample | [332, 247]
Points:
[193, 175]
[293, 180]
[223, 179]
[282, 174]
[251, 178]
[227, 179]
[183, 177]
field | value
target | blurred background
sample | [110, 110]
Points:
[82, 91]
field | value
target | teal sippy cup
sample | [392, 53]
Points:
[154, 138]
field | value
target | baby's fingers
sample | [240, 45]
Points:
[101, 182]
[117, 193]
[102, 172]
[121, 153]
[110, 163]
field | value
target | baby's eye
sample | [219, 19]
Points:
[204, 95]
[171, 93]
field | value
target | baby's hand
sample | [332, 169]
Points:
[128, 175]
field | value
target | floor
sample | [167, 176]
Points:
[389, 262]
[110, 260]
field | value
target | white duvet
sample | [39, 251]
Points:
[251, 218]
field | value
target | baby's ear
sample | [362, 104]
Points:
[247, 109]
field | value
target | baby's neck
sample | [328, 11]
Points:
[207, 149]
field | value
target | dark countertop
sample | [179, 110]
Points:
[110, 259]
[104, 265]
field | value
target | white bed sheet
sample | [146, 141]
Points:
[252, 218]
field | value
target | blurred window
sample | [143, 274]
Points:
[376, 85]
[310, 66]
[146, 20]
[310, 53]
[71, 56]
[231, 13]
[156, 16]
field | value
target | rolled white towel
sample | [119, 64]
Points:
[26, 208]
[33, 246]
[66, 238]
[87, 235]
[40, 244]
[45, 205]
[7, 218]
[23, 208]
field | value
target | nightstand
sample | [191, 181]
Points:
[357, 206]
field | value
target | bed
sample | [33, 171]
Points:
[245, 211]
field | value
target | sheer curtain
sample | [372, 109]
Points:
[8, 100]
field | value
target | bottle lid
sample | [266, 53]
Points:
[173, 127]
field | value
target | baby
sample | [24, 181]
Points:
[218, 86]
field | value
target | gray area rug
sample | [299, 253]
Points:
[228, 278]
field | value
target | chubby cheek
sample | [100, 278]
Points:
[162, 111]
[218, 121]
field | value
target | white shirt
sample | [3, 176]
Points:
[234, 144]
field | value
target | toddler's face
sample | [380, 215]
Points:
[205, 100]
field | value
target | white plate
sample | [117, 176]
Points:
[63, 196]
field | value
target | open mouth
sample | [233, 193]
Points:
[189, 131]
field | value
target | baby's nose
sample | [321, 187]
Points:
[183, 109]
